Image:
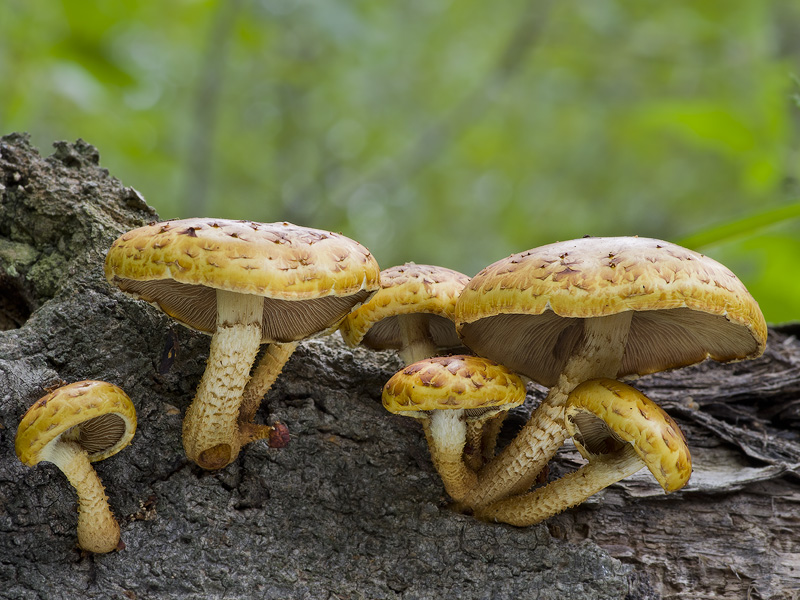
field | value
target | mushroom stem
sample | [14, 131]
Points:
[266, 372]
[416, 340]
[98, 530]
[570, 490]
[598, 354]
[210, 427]
[446, 433]
[473, 451]
[482, 435]
[264, 376]
[491, 431]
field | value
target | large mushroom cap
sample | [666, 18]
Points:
[96, 414]
[452, 382]
[407, 289]
[310, 278]
[628, 417]
[524, 310]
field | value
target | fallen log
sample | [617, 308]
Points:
[352, 508]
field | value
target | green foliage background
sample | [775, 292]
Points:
[440, 131]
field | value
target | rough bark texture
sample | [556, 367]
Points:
[352, 507]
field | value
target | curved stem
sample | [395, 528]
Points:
[416, 338]
[491, 431]
[564, 493]
[599, 354]
[98, 530]
[266, 372]
[482, 435]
[446, 434]
[473, 455]
[210, 427]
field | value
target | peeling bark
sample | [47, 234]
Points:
[352, 507]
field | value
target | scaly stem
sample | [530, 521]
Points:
[264, 375]
[491, 431]
[98, 530]
[210, 427]
[598, 354]
[482, 432]
[564, 493]
[473, 455]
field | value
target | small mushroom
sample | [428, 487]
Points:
[411, 313]
[71, 427]
[597, 307]
[245, 283]
[619, 431]
[444, 393]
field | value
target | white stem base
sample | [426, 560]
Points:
[447, 434]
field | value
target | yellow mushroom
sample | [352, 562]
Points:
[597, 307]
[619, 431]
[444, 393]
[245, 283]
[71, 427]
[412, 312]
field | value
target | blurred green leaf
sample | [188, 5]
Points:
[437, 131]
[747, 226]
[767, 263]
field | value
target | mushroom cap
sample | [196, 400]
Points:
[524, 310]
[452, 382]
[310, 278]
[97, 415]
[407, 289]
[633, 418]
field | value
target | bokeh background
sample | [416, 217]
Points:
[452, 132]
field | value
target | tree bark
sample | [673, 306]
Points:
[352, 508]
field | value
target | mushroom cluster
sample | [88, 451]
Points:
[568, 312]
[575, 317]
[247, 284]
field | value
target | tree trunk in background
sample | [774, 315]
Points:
[352, 507]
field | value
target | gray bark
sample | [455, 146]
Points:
[352, 507]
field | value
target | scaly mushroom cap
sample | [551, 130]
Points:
[452, 382]
[524, 310]
[628, 416]
[310, 278]
[407, 289]
[97, 415]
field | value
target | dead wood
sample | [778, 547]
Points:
[351, 508]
